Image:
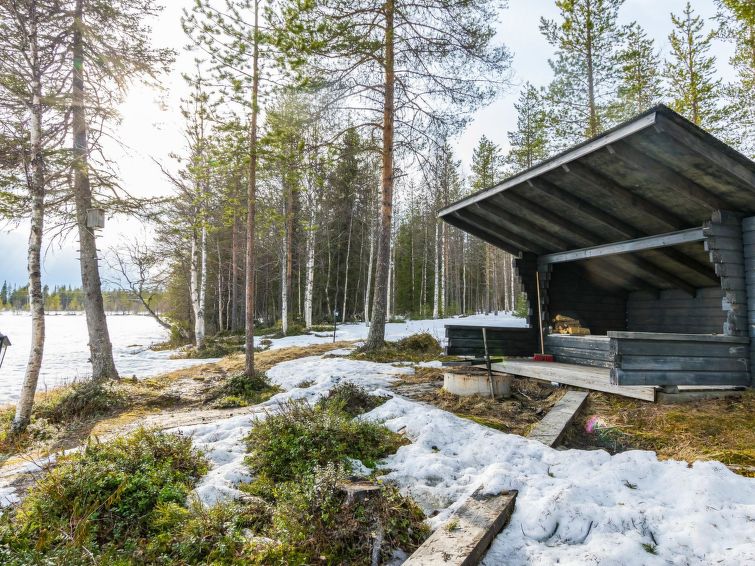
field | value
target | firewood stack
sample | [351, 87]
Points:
[563, 324]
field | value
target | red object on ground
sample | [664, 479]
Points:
[543, 357]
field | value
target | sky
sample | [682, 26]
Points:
[151, 123]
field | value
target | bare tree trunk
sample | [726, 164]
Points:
[310, 276]
[487, 279]
[235, 272]
[251, 202]
[463, 275]
[37, 190]
[100, 348]
[221, 298]
[284, 286]
[368, 288]
[443, 268]
[376, 336]
[346, 271]
[436, 282]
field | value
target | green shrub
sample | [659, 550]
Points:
[241, 390]
[415, 348]
[288, 444]
[212, 535]
[314, 515]
[350, 399]
[79, 401]
[103, 498]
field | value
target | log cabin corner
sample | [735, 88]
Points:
[645, 235]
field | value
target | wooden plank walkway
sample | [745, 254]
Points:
[550, 430]
[597, 379]
[467, 534]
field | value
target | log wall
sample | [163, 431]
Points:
[642, 358]
[673, 310]
[748, 240]
[592, 351]
[724, 243]
[467, 341]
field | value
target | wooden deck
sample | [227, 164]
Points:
[594, 378]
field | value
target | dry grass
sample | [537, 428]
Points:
[722, 429]
[530, 401]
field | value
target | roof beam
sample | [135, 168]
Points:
[623, 228]
[518, 242]
[641, 123]
[627, 246]
[583, 206]
[496, 214]
[550, 220]
[660, 172]
[725, 162]
[589, 176]
[464, 225]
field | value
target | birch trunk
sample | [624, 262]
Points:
[251, 203]
[443, 267]
[37, 190]
[346, 272]
[284, 286]
[100, 348]
[436, 282]
[310, 276]
[376, 336]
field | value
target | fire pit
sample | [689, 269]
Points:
[478, 383]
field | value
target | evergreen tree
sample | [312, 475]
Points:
[4, 294]
[640, 85]
[486, 164]
[587, 40]
[736, 19]
[404, 67]
[529, 142]
[693, 88]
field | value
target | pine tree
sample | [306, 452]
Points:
[640, 85]
[529, 142]
[587, 40]
[736, 19]
[404, 68]
[691, 72]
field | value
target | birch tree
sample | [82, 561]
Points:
[403, 68]
[30, 85]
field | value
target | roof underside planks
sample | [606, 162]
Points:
[655, 174]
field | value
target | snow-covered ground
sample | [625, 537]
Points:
[396, 330]
[574, 507]
[67, 351]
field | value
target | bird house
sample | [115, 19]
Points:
[95, 218]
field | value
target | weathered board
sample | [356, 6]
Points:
[551, 429]
[644, 358]
[581, 350]
[596, 379]
[467, 341]
[465, 537]
[674, 311]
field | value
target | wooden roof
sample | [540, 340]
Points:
[653, 174]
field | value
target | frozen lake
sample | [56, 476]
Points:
[67, 351]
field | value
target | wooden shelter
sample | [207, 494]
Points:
[646, 236]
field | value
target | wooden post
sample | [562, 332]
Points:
[539, 313]
[487, 362]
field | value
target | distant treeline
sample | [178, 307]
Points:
[66, 298]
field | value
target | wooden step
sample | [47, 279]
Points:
[551, 429]
[466, 536]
